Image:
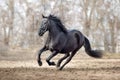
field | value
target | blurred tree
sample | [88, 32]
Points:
[8, 21]
[98, 19]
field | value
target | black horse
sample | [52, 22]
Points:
[61, 40]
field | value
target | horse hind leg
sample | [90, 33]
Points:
[63, 58]
[50, 57]
[68, 59]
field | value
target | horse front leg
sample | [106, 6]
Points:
[50, 57]
[39, 55]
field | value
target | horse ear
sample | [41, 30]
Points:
[43, 16]
[50, 15]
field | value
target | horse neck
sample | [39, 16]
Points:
[54, 31]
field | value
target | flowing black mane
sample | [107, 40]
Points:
[58, 22]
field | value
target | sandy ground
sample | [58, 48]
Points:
[82, 69]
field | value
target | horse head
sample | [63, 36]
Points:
[44, 25]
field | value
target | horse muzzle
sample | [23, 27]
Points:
[40, 34]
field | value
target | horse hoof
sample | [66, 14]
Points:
[52, 63]
[60, 68]
[57, 66]
[39, 63]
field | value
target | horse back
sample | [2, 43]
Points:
[75, 39]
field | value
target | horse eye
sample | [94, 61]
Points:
[45, 23]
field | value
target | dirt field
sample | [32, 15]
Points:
[22, 65]
[83, 69]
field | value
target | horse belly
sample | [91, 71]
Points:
[69, 47]
[58, 46]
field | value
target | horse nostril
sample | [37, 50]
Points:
[39, 33]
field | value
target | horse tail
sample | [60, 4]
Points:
[90, 52]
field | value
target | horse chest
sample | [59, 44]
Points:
[56, 44]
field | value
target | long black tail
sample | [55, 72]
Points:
[90, 52]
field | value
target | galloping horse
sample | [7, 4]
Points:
[61, 40]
